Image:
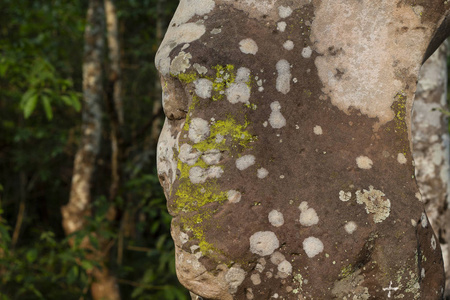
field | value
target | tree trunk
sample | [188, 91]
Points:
[114, 96]
[431, 147]
[286, 152]
[74, 213]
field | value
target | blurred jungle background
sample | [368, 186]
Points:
[82, 214]
[117, 230]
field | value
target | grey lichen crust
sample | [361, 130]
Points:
[376, 203]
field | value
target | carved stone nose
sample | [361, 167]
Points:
[175, 100]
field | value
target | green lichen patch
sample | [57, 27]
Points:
[187, 77]
[225, 76]
[298, 280]
[400, 126]
[399, 108]
[346, 271]
[227, 135]
[191, 197]
[194, 199]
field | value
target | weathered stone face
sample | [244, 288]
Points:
[285, 157]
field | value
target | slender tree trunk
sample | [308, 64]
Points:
[114, 96]
[74, 213]
[431, 148]
[85, 158]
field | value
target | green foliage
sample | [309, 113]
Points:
[41, 52]
[46, 270]
[45, 87]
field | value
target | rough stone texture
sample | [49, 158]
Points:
[353, 74]
[431, 147]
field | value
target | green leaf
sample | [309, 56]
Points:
[47, 107]
[87, 265]
[75, 102]
[94, 241]
[3, 69]
[72, 275]
[32, 255]
[28, 102]
[67, 100]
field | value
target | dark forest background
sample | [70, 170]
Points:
[41, 56]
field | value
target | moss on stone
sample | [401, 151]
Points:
[225, 135]
[225, 76]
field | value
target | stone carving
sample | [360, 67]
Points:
[285, 156]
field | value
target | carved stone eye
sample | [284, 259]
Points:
[175, 100]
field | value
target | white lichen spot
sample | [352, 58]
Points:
[277, 257]
[245, 161]
[188, 155]
[312, 246]
[306, 52]
[422, 273]
[308, 216]
[413, 223]
[419, 197]
[219, 138]
[248, 46]
[216, 31]
[262, 173]
[281, 26]
[249, 294]
[345, 196]
[200, 69]
[175, 36]
[276, 218]
[288, 45]
[284, 11]
[180, 63]
[285, 267]
[234, 196]
[243, 75]
[199, 175]
[376, 203]
[212, 157]
[284, 76]
[184, 237]
[276, 119]
[318, 130]
[350, 227]
[198, 130]
[203, 88]
[364, 162]
[239, 91]
[234, 277]
[261, 265]
[401, 158]
[424, 220]
[188, 9]
[354, 41]
[433, 242]
[256, 279]
[166, 161]
[264, 243]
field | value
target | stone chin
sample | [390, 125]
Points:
[193, 275]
